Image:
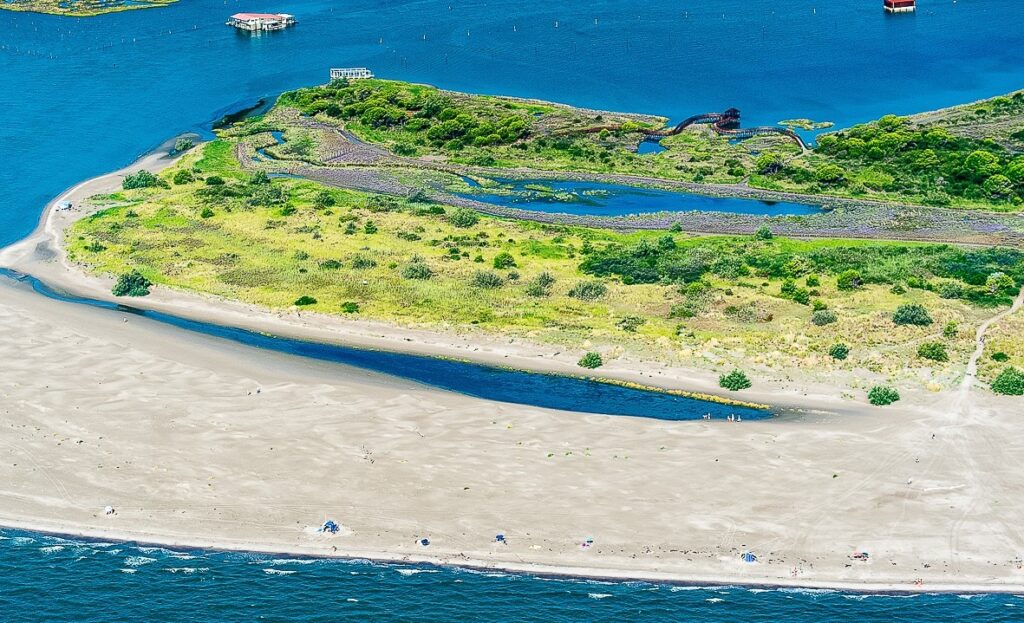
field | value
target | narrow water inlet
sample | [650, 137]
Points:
[550, 391]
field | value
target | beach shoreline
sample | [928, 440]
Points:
[541, 570]
[183, 422]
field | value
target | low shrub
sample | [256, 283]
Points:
[305, 300]
[823, 317]
[912, 314]
[350, 307]
[588, 290]
[463, 217]
[142, 179]
[131, 284]
[935, 351]
[417, 269]
[839, 351]
[590, 361]
[1010, 382]
[487, 279]
[734, 381]
[504, 260]
[881, 396]
[1000, 356]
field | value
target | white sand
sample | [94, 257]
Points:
[168, 427]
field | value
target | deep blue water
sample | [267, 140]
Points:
[48, 578]
[504, 385]
[592, 198]
[82, 97]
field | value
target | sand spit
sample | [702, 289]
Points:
[202, 442]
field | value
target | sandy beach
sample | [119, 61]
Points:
[202, 442]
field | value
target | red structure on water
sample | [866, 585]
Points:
[900, 6]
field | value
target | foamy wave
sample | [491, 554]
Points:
[187, 570]
[129, 571]
[23, 540]
[287, 561]
[714, 600]
[408, 572]
[599, 595]
[52, 549]
[138, 561]
[278, 572]
[808, 591]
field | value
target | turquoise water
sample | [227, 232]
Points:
[593, 198]
[48, 578]
[82, 97]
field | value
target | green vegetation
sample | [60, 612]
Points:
[734, 381]
[142, 179]
[935, 351]
[912, 314]
[80, 8]
[1000, 357]
[590, 361]
[183, 145]
[839, 351]
[1010, 382]
[881, 396]
[966, 156]
[705, 301]
[131, 284]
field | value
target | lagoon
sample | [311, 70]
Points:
[600, 199]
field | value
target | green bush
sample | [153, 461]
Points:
[504, 260]
[935, 351]
[591, 361]
[362, 262]
[184, 176]
[131, 284]
[215, 180]
[734, 381]
[849, 280]
[183, 144]
[463, 217]
[763, 233]
[142, 179]
[1000, 356]
[330, 265]
[1010, 382]
[350, 307]
[912, 314]
[540, 285]
[305, 300]
[417, 269]
[881, 396]
[206, 213]
[950, 330]
[370, 227]
[487, 279]
[588, 290]
[839, 351]
[823, 317]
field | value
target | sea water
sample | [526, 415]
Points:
[49, 578]
[80, 97]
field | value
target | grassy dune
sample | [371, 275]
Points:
[713, 302]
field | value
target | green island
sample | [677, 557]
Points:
[80, 8]
[340, 200]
